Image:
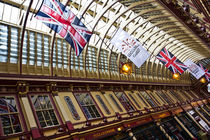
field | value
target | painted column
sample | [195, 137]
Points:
[53, 89]
[22, 91]
[188, 132]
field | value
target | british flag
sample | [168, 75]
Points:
[171, 62]
[59, 18]
[207, 72]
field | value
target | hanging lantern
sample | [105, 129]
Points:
[176, 76]
[126, 68]
[203, 80]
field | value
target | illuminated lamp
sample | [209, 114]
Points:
[126, 68]
[203, 80]
[119, 129]
[176, 76]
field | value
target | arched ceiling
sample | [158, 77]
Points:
[149, 21]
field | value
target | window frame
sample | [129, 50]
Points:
[20, 115]
[163, 95]
[95, 104]
[142, 99]
[155, 104]
[58, 117]
[123, 102]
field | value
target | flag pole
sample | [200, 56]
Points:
[38, 9]
[35, 9]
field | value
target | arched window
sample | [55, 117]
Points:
[72, 108]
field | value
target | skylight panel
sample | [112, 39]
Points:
[1, 10]
[7, 13]
[15, 15]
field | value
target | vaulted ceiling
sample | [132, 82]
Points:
[180, 26]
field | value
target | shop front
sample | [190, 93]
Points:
[190, 124]
[173, 129]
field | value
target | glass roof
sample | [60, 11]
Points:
[104, 17]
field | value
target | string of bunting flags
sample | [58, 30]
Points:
[64, 22]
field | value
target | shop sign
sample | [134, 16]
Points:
[106, 132]
[187, 107]
[161, 115]
[139, 122]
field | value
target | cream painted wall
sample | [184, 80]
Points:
[154, 98]
[168, 94]
[76, 105]
[144, 105]
[94, 93]
[112, 103]
[133, 94]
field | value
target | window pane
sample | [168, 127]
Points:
[113, 65]
[25, 48]
[65, 55]
[59, 48]
[39, 49]
[32, 48]
[46, 51]
[3, 43]
[14, 45]
[5, 120]
[3, 106]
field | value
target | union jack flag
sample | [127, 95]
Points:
[59, 18]
[207, 72]
[171, 62]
